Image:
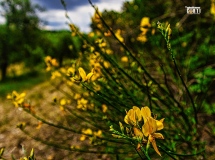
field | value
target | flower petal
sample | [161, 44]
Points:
[146, 128]
[129, 119]
[152, 140]
[138, 133]
[145, 111]
[158, 135]
[22, 95]
[82, 73]
[137, 114]
[160, 124]
[126, 119]
[152, 124]
[89, 75]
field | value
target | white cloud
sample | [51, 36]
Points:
[110, 5]
[55, 19]
[80, 16]
[2, 20]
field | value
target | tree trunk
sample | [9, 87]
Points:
[4, 66]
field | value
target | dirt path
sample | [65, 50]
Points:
[14, 140]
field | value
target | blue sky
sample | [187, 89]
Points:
[79, 11]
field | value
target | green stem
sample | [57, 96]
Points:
[145, 152]
[182, 80]
[142, 67]
[68, 129]
[69, 148]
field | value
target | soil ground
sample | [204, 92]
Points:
[18, 144]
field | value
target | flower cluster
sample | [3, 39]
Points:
[144, 28]
[91, 135]
[82, 102]
[143, 127]
[18, 99]
[166, 31]
[50, 62]
[97, 20]
[82, 76]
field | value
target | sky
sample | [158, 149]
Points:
[79, 12]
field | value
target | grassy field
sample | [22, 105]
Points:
[21, 82]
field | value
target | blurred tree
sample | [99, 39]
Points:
[3, 51]
[61, 45]
[21, 32]
[66, 47]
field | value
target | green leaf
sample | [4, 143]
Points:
[209, 71]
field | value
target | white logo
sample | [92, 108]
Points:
[193, 10]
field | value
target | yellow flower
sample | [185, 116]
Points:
[48, 59]
[96, 18]
[144, 23]
[144, 31]
[50, 62]
[146, 112]
[91, 34]
[118, 35]
[17, 99]
[142, 38]
[106, 64]
[71, 71]
[63, 102]
[98, 134]
[83, 76]
[133, 116]
[55, 75]
[82, 138]
[109, 51]
[102, 44]
[150, 126]
[124, 59]
[54, 62]
[82, 103]
[212, 9]
[153, 31]
[107, 34]
[85, 131]
[104, 108]
[77, 96]
[138, 133]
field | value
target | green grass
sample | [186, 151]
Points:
[21, 83]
